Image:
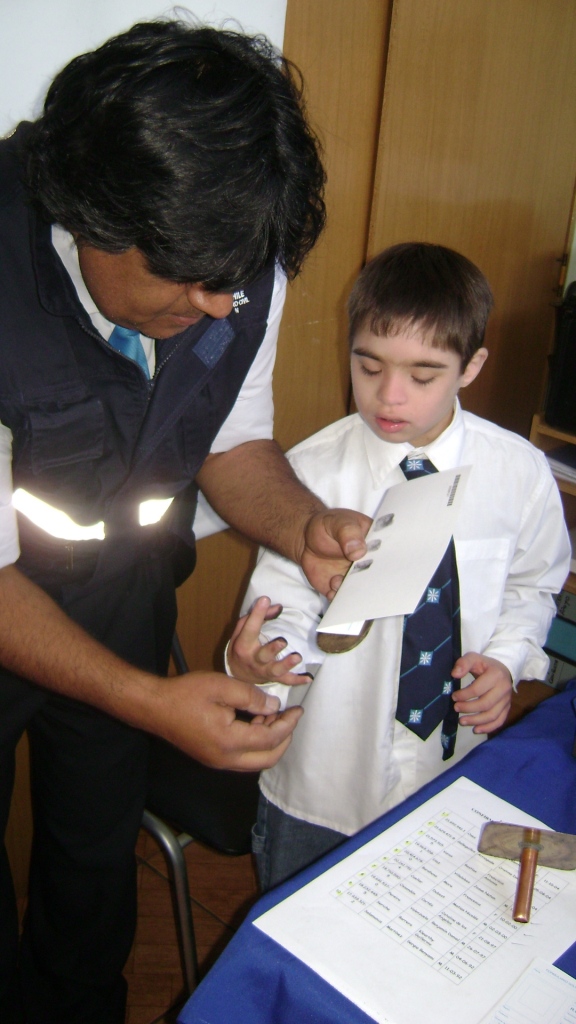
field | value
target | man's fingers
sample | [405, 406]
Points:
[250, 761]
[200, 714]
[247, 697]
[349, 529]
[329, 533]
[335, 584]
[260, 744]
[351, 540]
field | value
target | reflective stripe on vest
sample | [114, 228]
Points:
[59, 524]
[151, 511]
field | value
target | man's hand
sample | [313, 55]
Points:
[197, 713]
[255, 662]
[486, 702]
[333, 538]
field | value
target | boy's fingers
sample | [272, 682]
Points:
[280, 665]
[295, 678]
[246, 634]
[273, 612]
[484, 712]
[266, 654]
[474, 692]
[248, 626]
[470, 662]
[238, 628]
[490, 720]
[257, 615]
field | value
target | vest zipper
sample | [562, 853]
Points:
[150, 381]
[93, 333]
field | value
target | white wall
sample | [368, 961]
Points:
[38, 37]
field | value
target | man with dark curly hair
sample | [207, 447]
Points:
[149, 221]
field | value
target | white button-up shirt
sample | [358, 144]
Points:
[349, 760]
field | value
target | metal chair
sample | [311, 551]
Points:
[186, 802]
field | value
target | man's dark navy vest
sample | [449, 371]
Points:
[91, 436]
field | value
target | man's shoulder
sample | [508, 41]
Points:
[12, 187]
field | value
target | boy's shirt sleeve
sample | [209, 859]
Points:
[538, 570]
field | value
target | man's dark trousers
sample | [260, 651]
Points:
[88, 790]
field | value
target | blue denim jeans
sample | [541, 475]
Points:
[284, 845]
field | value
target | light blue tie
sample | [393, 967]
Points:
[128, 342]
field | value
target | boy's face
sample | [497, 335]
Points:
[404, 388]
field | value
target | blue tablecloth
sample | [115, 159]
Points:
[256, 981]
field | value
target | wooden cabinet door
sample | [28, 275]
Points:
[477, 151]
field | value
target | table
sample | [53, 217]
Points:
[256, 981]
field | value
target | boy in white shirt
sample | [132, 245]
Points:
[417, 319]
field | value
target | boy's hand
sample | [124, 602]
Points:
[332, 540]
[486, 702]
[254, 662]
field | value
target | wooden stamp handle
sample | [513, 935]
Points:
[526, 876]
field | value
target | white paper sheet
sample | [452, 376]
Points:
[409, 535]
[542, 995]
[417, 925]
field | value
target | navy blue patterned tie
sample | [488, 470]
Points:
[431, 645]
[128, 342]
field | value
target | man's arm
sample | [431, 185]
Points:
[195, 712]
[254, 488]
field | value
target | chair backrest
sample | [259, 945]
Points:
[216, 807]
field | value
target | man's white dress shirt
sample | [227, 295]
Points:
[349, 760]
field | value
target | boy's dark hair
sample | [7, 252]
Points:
[187, 142]
[435, 288]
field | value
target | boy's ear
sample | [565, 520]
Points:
[474, 367]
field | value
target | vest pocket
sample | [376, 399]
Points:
[65, 434]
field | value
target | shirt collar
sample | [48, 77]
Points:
[445, 452]
[65, 246]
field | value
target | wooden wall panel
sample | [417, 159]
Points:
[340, 48]
[478, 152]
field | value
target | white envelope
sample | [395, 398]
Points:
[406, 542]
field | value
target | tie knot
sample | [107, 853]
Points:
[416, 465]
[125, 333]
[128, 343]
